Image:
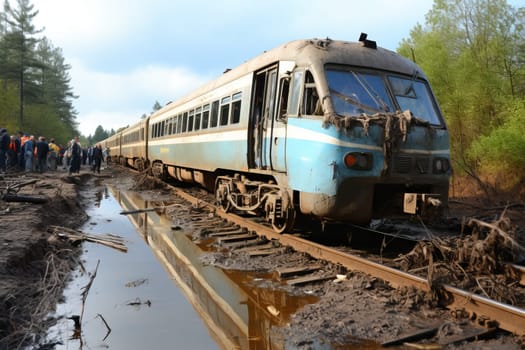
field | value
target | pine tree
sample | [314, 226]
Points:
[20, 42]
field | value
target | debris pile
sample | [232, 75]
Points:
[480, 262]
[144, 181]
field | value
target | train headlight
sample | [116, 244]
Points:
[358, 161]
[441, 165]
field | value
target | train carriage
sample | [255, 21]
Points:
[330, 129]
[133, 149]
[112, 145]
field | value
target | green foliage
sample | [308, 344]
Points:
[100, 134]
[35, 91]
[473, 52]
[504, 148]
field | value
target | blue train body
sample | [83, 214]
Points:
[334, 130]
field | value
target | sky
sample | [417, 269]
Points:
[127, 54]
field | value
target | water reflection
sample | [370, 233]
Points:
[236, 311]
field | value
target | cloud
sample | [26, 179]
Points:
[83, 25]
[117, 99]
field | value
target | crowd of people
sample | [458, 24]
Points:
[24, 152]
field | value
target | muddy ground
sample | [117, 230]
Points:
[34, 267]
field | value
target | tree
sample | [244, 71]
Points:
[473, 53]
[34, 78]
[20, 44]
[100, 134]
[156, 106]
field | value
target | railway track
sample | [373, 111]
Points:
[490, 312]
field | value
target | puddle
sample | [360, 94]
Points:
[159, 295]
[167, 321]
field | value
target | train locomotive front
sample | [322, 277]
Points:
[380, 147]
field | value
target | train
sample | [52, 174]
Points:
[334, 131]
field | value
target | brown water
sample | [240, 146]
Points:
[158, 295]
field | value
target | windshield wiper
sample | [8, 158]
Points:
[372, 93]
[415, 75]
[353, 101]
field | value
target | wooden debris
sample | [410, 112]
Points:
[414, 336]
[243, 244]
[478, 262]
[228, 233]
[24, 198]
[145, 210]
[234, 238]
[139, 302]
[86, 289]
[469, 336]
[287, 272]
[424, 346]
[109, 240]
[107, 326]
[309, 279]
[266, 252]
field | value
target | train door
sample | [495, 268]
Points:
[261, 118]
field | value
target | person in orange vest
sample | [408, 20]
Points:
[21, 156]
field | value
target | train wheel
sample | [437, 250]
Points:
[158, 170]
[222, 194]
[139, 165]
[285, 223]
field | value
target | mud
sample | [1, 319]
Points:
[34, 269]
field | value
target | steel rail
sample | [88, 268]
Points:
[509, 318]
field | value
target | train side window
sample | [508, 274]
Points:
[190, 121]
[236, 107]
[295, 94]
[225, 110]
[154, 131]
[283, 98]
[205, 116]
[311, 102]
[184, 121]
[162, 126]
[198, 118]
[179, 123]
[214, 114]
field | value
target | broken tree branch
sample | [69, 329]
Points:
[144, 210]
[107, 326]
[86, 288]
[109, 240]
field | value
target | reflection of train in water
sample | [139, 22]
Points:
[334, 130]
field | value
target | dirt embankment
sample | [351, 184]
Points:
[34, 267]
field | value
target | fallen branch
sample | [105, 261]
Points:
[24, 198]
[107, 326]
[109, 240]
[496, 229]
[85, 291]
[144, 210]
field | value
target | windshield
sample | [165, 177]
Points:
[413, 95]
[354, 93]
